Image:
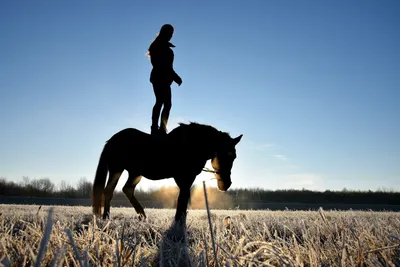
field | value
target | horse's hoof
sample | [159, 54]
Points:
[142, 217]
[106, 216]
[176, 233]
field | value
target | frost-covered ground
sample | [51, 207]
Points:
[71, 237]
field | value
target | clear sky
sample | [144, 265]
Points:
[313, 86]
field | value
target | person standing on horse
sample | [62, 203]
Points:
[162, 76]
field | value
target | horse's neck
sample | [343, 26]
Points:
[205, 142]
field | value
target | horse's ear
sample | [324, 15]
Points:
[237, 139]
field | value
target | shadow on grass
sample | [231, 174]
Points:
[173, 249]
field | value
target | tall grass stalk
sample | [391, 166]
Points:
[210, 224]
[45, 238]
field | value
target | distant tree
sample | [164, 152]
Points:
[63, 186]
[3, 185]
[84, 188]
[66, 190]
[41, 187]
[25, 181]
[46, 186]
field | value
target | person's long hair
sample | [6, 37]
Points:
[165, 29]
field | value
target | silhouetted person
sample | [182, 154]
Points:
[162, 76]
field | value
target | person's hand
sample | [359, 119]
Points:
[178, 80]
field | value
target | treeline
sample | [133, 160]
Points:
[44, 187]
[167, 195]
[344, 196]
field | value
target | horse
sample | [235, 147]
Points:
[181, 154]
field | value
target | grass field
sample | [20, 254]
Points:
[69, 236]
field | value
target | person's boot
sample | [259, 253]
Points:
[154, 130]
[162, 131]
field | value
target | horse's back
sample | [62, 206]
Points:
[140, 152]
[127, 138]
[136, 141]
[127, 134]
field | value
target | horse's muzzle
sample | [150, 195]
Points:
[223, 185]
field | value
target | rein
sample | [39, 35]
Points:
[209, 170]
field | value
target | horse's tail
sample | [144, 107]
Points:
[100, 181]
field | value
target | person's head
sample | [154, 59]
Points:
[166, 32]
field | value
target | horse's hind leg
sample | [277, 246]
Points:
[109, 191]
[129, 191]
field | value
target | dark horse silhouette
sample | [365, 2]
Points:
[181, 155]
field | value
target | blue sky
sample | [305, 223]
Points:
[313, 86]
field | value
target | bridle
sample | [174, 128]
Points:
[209, 170]
[215, 154]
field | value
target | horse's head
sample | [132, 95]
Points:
[222, 161]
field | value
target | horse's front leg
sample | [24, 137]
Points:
[129, 191]
[182, 204]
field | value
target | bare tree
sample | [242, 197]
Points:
[25, 181]
[63, 186]
[67, 190]
[46, 186]
[84, 188]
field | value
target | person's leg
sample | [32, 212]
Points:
[156, 108]
[167, 99]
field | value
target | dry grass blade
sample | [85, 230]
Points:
[5, 260]
[343, 257]
[45, 239]
[360, 251]
[161, 261]
[209, 221]
[73, 244]
[186, 251]
[202, 263]
[106, 226]
[59, 254]
[86, 258]
[233, 259]
[37, 213]
[117, 251]
[123, 232]
[321, 213]
[383, 248]
[205, 247]
[30, 251]
[342, 254]
[394, 237]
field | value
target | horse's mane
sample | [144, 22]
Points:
[200, 128]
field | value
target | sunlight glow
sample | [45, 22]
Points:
[147, 184]
[206, 176]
